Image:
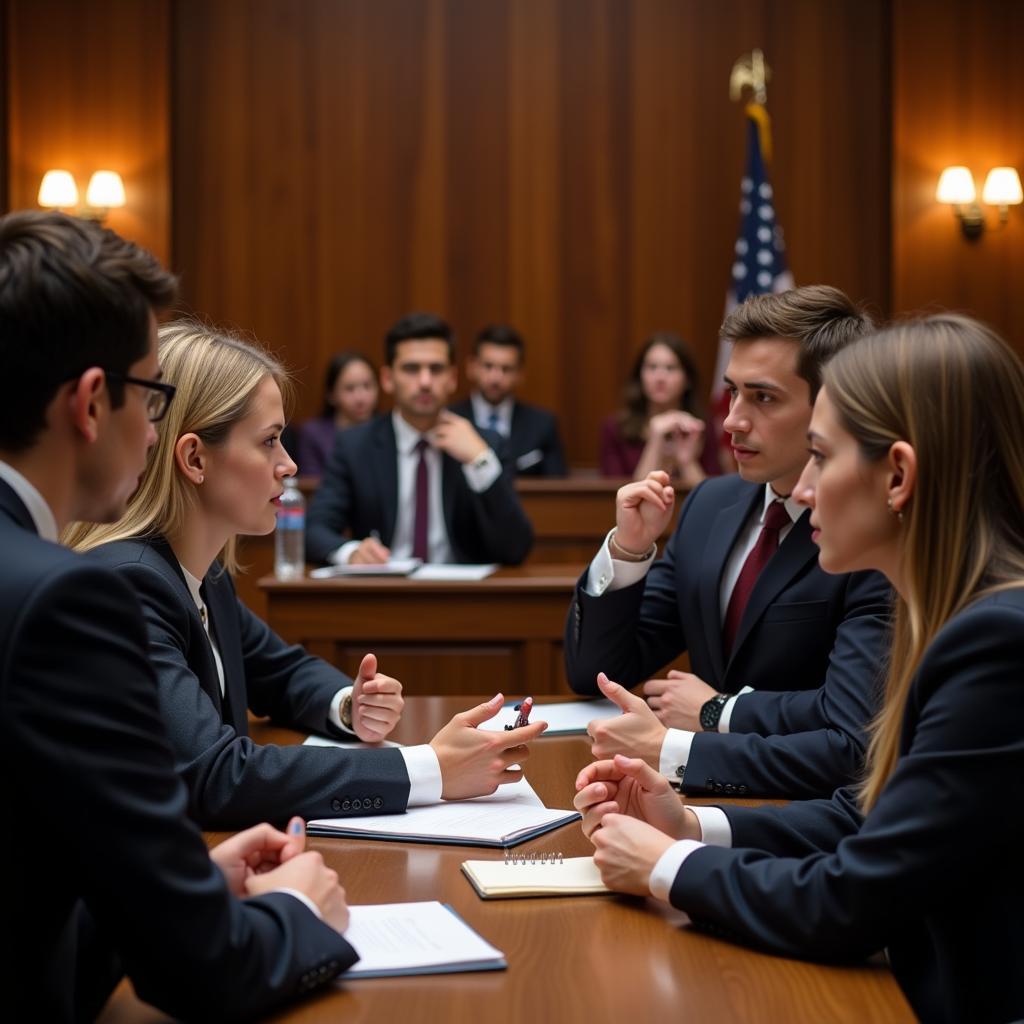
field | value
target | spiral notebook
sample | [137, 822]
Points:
[543, 876]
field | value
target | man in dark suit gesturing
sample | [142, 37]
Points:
[419, 482]
[125, 884]
[532, 442]
[739, 588]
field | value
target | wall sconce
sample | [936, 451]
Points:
[58, 191]
[956, 187]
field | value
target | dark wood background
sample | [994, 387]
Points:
[313, 170]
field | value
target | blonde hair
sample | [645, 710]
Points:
[953, 390]
[216, 375]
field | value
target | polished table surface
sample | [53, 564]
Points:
[585, 959]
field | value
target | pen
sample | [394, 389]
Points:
[523, 718]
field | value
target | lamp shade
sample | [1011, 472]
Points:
[1002, 187]
[956, 186]
[58, 189]
[105, 189]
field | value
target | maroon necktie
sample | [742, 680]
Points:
[421, 523]
[775, 518]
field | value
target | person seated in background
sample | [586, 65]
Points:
[740, 590]
[531, 436]
[123, 883]
[660, 425]
[421, 481]
[916, 471]
[216, 472]
[350, 397]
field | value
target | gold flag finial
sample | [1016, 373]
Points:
[750, 72]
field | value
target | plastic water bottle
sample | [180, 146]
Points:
[290, 540]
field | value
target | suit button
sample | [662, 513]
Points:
[730, 788]
[709, 783]
[335, 805]
[377, 803]
[741, 789]
[718, 787]
[346, 804]
[357, 804]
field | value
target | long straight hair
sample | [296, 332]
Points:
[216, 375]
[953, 390]
[635, 411]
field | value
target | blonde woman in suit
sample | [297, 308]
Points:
[216, 472]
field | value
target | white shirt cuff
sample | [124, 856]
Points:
[334, 712]
[669, 863]
[343, 555]
[675, 752]
[715, 829]
[607, 573]
[303, 898]
[482, 471]
[723, 721]
[424, 774]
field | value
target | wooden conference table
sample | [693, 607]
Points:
[578, 959]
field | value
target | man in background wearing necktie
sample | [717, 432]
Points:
[419, 482]
[495, 369]
[785, 658]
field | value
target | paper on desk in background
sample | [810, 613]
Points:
[415, 938]
[396, 567]
[328, 741]
[506, 818]
[566, 719]
[437, 573]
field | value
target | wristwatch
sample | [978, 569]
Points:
[345, 711]
[711, 712]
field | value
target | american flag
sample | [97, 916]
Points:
[759, 265]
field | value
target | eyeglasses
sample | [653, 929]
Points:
[158, 396]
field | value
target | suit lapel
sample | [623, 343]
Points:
[386, 469]
[793, 554]
[451, 470]
[721, 540]
[220, 603]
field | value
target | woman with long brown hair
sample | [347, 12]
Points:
[917, 470]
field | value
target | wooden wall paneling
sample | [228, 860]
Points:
[87, 89]
[956, 100]
[572, 168]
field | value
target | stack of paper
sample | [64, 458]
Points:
[510, 816]
[416, 938]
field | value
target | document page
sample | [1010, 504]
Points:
[415, 938]
[562, 719]
[453, 573]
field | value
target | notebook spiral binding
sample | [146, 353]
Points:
[542, 857]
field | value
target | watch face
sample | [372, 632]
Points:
[711, 712]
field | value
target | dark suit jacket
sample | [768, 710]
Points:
[933, 871]
[534, 446]
[359, 494]
[121, 881]
[233, 782]
[810, 643]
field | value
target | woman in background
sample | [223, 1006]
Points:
[350, 397]
[916, 470]
[660, 425]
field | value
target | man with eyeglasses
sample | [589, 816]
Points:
[127, 885]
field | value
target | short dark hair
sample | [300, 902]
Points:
[72, 295]
[821, 319]
[415, 326]
[335, 368]
[500, 334]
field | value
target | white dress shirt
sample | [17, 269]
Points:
[42, 516]
[483, 410]
[607, 573]
[479, 474]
